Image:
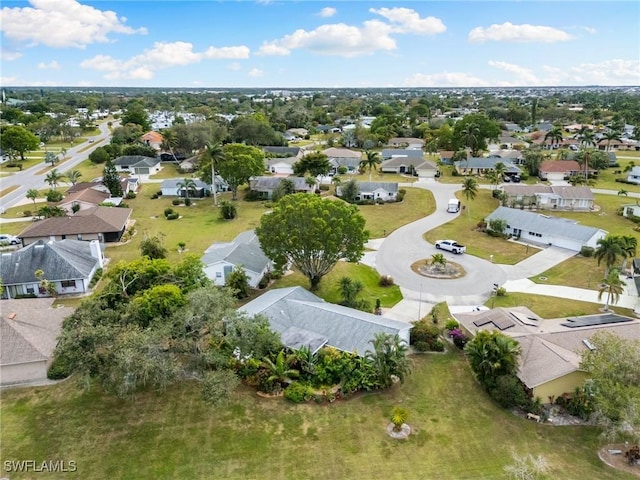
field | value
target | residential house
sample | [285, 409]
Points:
[4, 156]
[138, 165]
[244, 252]
[549, 364]
[446, 156]
[374, 191]
[304, 320]
[189, 164]
[175, 187]
[281, 166]
[130, 185]
[406, 142]
[631, 210]
[506, 142]
[546, 197]
[153, 139]
[68, 264]
[481, 165]
[415, 166]
[389, 153]
[265, 186]
[547, 230]
[634, 176]
[334, 152]
[512, 155]
[105, 224]
[96, 185]
[84, 199]
[282, 152]
[29, 330]
[557, 170]
[352, 164]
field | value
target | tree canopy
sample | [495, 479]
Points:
[313, 234]
[473, 131]
[314, 164]
[15, 138]
[240, 163]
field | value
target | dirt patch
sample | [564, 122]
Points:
[618, 462]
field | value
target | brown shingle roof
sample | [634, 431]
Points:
[91, 220]
[88, 195]
[559, 166]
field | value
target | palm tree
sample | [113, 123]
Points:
[73, 176]
[280, 371]
[169, 140]
[613, 286]
[439, 261]
[563, 154]
[389, 358]
[629, 166]
[586, 136]
[492, 354]
[371, 162]
[493, 177]
[53, 178]
[629, 246]
[609, 249]
[609, 136]
[469, 189]
[622, 192]
[188, 184]
[470, 135]
[215, 153]
[32, 194]
[63, 152]
[554, 135]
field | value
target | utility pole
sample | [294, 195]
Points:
[420, 305]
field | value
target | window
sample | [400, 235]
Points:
[218, 274]
[30, 290]
[79, 237]
[68, 283]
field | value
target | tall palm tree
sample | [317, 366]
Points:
[609, 137]
[53, 178]
[608, 250]
[586, 136]
[371, 162]
[32, 194]
[500, 169]
[554, 135]
[493, 178]
[492, 354]
[215, 153]
[470, 134]
[469, 189]
[629, 246]
[389, 358]
[169, 141]
[188, 184]
[73, 176]
[613, 286]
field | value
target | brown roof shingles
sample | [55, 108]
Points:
[91, 220]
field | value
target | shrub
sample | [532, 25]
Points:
[168, 211]
[459, 338]
[324, 187]
[426, 333]
[451, 324]
[228, 210]
[501, 292]
[298, 392]
[154, 196]
[54, 196]
[159, 193]
[437, 346]
[26, 213]
[385, 281]
[132, 195]
[509, 392]
[96, 276]
[421, 346]
[217, 386]
[187, 202]
[58, 369]
[176, 201]
[251, 196]
[173, 216]
[586, 251]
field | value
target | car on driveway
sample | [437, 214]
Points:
[6, 239]
[450, 246]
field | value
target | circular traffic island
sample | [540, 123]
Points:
[438, 268]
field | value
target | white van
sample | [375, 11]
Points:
[453, 206]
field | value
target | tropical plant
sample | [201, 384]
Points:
[389, 359]
[228, 210]
[188, 185]
[311, 182]
[50, 157]
[609, 136]
[439, 261]
[238, 281]
[554, 135]
[73, 176]
[32, 194]
[349, 291]
[215, 154]
[470, 134]
[609, 249]
[53, 178]
[613, 286]
[280, 370]
[469, 190]
[399, 416]
[491, 355]
[371, 162]
[153, 248]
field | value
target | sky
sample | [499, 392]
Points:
[328, 44]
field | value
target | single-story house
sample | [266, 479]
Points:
[634, 176]
[375, 191]
[29, 330]
[153, 139]
[68, 264]
[545, 197]
[481, 165]
[352, 164]
[512, 155]
[244, 251]
[281, 166]
[87, 198]
[189, 164]
[557, 170]
[389, 153]
[130, 185]
[549, 365]
[138, 165]
[334, 152]
[406, 142]
[282, 152]
[506, 141]
[304, 320]
[446, 156]
[94, 185]
[414, 166]
[547, 230]
[105, 224]
[630, 210]
[174, 187]
[265, 186]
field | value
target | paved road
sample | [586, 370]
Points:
[29, 179]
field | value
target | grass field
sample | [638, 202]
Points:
[458, 433]
[579, 272]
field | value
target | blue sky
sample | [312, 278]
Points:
[288, 44]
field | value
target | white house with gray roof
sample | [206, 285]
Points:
[550, 197]
[303, 319]
[546, 229]
[374, 191]
[244, 251]
[481, 165]
[138, 165]
[265, 186]
[68, 264]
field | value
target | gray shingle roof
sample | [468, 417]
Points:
[402, 152]
[346, 329]
[136, 161]
[486, 163]
[244, 250]
[544, 224]
[568, 192]
[391, 187]
[62, 260]
[267, 184]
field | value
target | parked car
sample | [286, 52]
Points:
[506, 178]
[6, 239]
[515, 179]
[450, 246]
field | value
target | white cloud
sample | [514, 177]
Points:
[348, 41]
[445, 79]
[524, 75]
[590, 30]
[327, 12]
[7, 56]
[508, 32]
[406, 20]
[52, 65]
[8, 80]
[163, 55]
[235, 66]
[608, 72]
[255, 72]
[62, 23]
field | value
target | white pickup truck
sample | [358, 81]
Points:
[450, 246]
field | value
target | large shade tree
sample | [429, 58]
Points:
[314, 164]
[18, 139]
[240, 163]
[313, 234]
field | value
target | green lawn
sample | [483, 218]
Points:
[579, 272]
[458, 433]
[170, 170]
[463, 229]
[330, 290]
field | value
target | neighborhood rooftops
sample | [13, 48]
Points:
[244, 250]
[91, 220]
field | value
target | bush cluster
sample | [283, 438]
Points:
[426, 337]
[587, 251]
[386, 281]
[176, 201]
